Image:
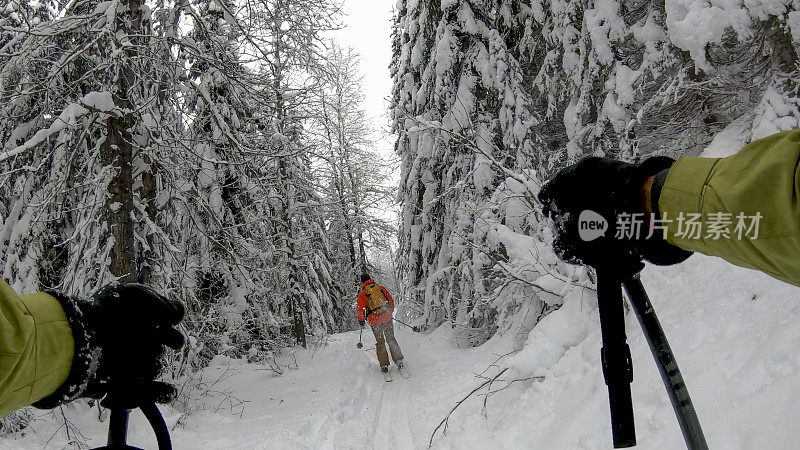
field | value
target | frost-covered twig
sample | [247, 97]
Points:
[490, 392]
[494, 363]
[73, 435]
[447, 417]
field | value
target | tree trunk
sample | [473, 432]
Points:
[117, 151]
[147, 193]
[286, 182]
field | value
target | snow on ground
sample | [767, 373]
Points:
[735, 334]
[335, 398]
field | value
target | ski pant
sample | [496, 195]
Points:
[384, 334]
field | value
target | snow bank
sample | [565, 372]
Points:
[555, 334]
[734, 333]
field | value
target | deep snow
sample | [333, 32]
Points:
[735, 334]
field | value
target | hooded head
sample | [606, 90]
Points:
[365, 277]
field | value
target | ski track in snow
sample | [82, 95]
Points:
[403, 425]
[382, 420]
[392, 428]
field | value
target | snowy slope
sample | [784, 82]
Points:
[735, 334]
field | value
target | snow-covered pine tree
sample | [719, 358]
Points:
[212, 190]
[74, 84]
[629, 79]
[491, 96]
[76, 90]
[466, 120]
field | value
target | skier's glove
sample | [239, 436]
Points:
[361, 322]
[120, 336]
[611, 189]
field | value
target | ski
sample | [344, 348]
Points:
[404, 372]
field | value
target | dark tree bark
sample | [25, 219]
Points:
[117, 151]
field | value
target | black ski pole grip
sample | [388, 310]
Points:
[616, 358]
[667, 365]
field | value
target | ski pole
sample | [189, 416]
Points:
[366, 316]
[118, 428]
[617, 364]
[667, 366]
[415, 329]
[615, 356]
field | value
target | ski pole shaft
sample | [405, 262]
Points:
[667, 366]
[616, 358]
[402, 323]
[414, 329]
[156, 420]
[118, 428]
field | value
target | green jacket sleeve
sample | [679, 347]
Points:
[729, 194]
[36, 348]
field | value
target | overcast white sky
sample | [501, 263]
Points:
[368, 28]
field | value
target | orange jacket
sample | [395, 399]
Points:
[362, 306]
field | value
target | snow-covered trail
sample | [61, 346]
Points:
[337, 398]
[735, 334]
[333, 397]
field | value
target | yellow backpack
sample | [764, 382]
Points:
[375, 299]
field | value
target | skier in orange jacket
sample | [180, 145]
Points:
[377, 305]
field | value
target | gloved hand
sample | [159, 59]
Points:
[609, 188]
[361, 322]
[119, 337]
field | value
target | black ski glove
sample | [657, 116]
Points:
[609, 188]
[119, 335]
[361, 322]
